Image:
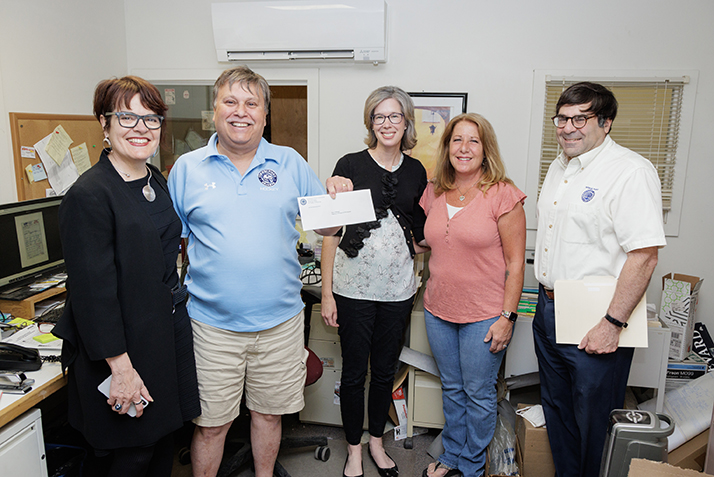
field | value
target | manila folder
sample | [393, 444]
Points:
[581, 304]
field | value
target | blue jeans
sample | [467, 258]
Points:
[578, 391]
[468, 372]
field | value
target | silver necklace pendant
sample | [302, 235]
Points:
[462, 198]
[148, 191]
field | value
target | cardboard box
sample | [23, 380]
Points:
[680, 373]
[400, 405]
[691, 454]
[648, 468]
[677, 310]
[703, 345]
[536, 457]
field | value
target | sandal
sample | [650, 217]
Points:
[449, 473]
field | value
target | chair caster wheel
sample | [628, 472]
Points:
[322, 453]
[408, 443]
[184, 456]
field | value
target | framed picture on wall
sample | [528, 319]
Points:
[432, 112]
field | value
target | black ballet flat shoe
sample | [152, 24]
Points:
[345, 468]
[388, 472]
[449, 473]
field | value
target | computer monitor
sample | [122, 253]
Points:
[29, 240]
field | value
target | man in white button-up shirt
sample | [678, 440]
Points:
[599, 213]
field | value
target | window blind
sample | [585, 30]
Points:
[648, 119]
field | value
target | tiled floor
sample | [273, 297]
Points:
[302, 463]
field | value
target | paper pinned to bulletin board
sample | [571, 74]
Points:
[61, 171]
[30, 128]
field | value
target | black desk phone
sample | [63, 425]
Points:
[17, 359]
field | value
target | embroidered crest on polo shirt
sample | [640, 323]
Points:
[588, 194]
[268, 177]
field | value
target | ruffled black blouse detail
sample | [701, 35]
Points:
[389, 194]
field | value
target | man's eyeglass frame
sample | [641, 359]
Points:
[573, 120]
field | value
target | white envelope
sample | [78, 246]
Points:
[322, 211]
[581, 304]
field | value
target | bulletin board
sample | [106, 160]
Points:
[29, 128]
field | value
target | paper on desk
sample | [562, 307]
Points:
[322, 211]
[24, 337]
[60, 176]
[691, 408]
[581, 304]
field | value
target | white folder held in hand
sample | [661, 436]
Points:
[581, 304]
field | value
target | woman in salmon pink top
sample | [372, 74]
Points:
[476, 229]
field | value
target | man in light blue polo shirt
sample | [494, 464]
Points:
[236, 198]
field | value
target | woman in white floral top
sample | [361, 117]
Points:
[368, 283]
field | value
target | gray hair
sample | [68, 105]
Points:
[246, 78]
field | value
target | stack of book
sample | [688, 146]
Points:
[527, 304]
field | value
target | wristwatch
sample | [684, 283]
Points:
[512, 316]
[616, 322]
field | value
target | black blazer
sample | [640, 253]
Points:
[116, 302]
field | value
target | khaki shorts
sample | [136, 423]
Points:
[271, 364]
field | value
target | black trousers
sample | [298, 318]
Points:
[148, 461]
[370, 332]
[578, 391]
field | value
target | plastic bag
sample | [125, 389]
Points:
[502, 450]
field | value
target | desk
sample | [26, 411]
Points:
[26, 308]
[48, 379]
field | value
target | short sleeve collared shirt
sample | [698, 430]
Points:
[593, 210]
[244, 271]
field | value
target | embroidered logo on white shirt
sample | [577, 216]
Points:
[588, 194]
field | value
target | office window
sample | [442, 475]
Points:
[648, 122]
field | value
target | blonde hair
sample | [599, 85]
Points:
[409, 139]
[493, 169]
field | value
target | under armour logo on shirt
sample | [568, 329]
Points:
[209, 185]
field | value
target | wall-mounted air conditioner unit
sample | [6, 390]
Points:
[300, 30]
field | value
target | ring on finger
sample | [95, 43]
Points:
[117, 406]
[137, 403]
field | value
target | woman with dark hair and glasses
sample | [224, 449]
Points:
[125, 316]
[368, 283]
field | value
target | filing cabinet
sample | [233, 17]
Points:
[424, 403]
[322, 398]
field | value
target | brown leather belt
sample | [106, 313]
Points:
[549, 293]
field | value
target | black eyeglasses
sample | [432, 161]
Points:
[130, 120]
[394, 118]
[578, 121]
